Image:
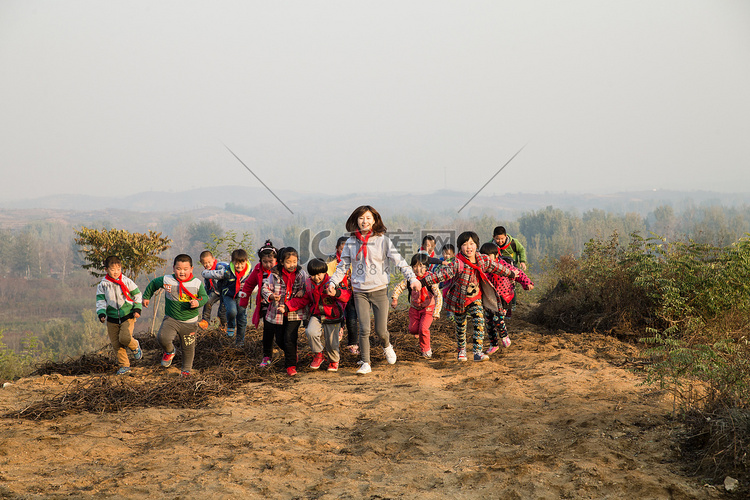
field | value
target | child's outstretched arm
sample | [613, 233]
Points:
[153, 286]
[215, 274]
[524, 280]
[397, 291]
[438, 300]
[400, 262]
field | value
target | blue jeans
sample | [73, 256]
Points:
[236, 316]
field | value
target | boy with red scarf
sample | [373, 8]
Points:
[326, 312]
[209, 263]
[118, 302]
[230, 278]
[184, 294]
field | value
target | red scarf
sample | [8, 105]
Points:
[123, 287]
[182, 287]
[364, 240]
[506, 245]
[288, 281]
[338, 256]
[239, 277]
[424, 293]
[479, 272]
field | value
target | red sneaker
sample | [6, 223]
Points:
[317, 360]
[291, 371]
[333, 366]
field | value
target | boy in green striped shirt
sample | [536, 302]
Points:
[184, 295]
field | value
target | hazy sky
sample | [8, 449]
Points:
[321, 96]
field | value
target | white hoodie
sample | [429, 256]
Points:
[373, 273]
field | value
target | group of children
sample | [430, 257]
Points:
[351, 288]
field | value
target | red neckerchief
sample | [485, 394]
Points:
[338, 256]
[238, 280]
[123, 287]
[288, 280]
[480, 273]
[424, 293]
[182, 287]
[213, 268]
[432, 254]
[507, 244]
[363, 248]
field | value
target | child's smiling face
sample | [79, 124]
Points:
[318, 278]
[182, 270]
[290, 263]
[365, 222]
[419, 269]
[114, 271]
[469, 248]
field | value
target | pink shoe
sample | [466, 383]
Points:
[493, 349]
[354, 349]
[291, 371]
[266, 361]
[506, 341]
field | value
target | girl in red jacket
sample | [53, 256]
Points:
[267, 255]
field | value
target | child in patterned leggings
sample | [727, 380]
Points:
[471, 290]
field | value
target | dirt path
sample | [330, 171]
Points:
[553, 417]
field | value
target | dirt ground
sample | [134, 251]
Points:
[553, 416]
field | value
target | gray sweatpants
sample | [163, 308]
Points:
[169, 330]
[379, 302]
[324, 337]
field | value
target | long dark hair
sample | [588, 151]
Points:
[378, 227]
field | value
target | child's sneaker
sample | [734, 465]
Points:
[462, 354]
[390, 354]
[166, 359]
[266, 361]
[480, 356]
[138, 353]
[354, 349]
[506, 341]
[203, 324]
[184, 374]
[291, 371]
[493, 349]
[230, 331]
[317, 361]
[333, 366]
[427, 354]
[240, 344]
[123, 370]
[364, 369]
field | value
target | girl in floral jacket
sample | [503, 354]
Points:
[287, 280]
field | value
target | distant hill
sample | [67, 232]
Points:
[509, 205]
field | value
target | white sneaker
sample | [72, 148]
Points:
[390, 355]
[364, 369]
